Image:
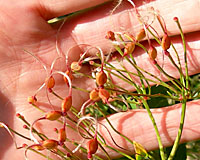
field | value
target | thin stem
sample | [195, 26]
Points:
[170, 77]
[178, 137]
[122, 153]
[179, 69]
[39, 153]
[113, 126]
[144, 95]
[156, 129]
[185, 53]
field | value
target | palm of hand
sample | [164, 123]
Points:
[21, 74]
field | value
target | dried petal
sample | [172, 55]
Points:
[104, 95]
[62, 135]
[166, 42]
[110, 35]
[92, 147]
[129, 48]
[49, 144]
[141, 35]
[101, 78]
[66, 104]
[75, 66]
[94, 95]
[69, 73]
[50, 82]
[38, 147]
[152, 53]
[32, 99]
[53, 115]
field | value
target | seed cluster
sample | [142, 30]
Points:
[107, 93]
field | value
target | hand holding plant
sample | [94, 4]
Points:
[81, 38]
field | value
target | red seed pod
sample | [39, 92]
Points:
[56, 130]
[25, 126]
[166, 42]
[141, 35]
[166, 53]
[101, 78]
[175, 18]
[91, 63]
[62, 135]
[66, 104]
[69, 73]
[129, 48]
[110, 35]
[152, 53]
[32, 100]
[94, 95]
[18, 115]
[53, 115]
[50, 82]
[92, 146]
[49, 144]
[38, 147]
[69, 155]
[104, 95]
[75, 66]
[24, 145]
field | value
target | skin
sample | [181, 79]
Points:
[23, 26]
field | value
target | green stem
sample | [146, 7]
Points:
[185, 54]
[179, 69]
[113, 126]
[15, 132]
[41, 154]
[122, 153]
[170, 77]
[178, 137]
[145, 95]
[156, 130]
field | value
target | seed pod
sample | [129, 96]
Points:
[49, 144]
[92, 147]
[61, 135]
[101, 78]
[175, 18]
[25, 126]
[53, 115]
[32, 99]
[129, 48]
[110, 35]
[66, 104]
[104, 95]
[50, 82]
[141, 35]
[166, 42]
[75, 66]
[18, 115]
[69, 73]
[94, 95]
[166, 53]
[152, 53]
[38, 147]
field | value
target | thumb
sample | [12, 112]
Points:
[137, 126]
[50, 9]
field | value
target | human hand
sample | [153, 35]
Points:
[35, 35]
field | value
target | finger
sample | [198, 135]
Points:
[137, 126]
[144, 62]
[91, 27]
[50, 9]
